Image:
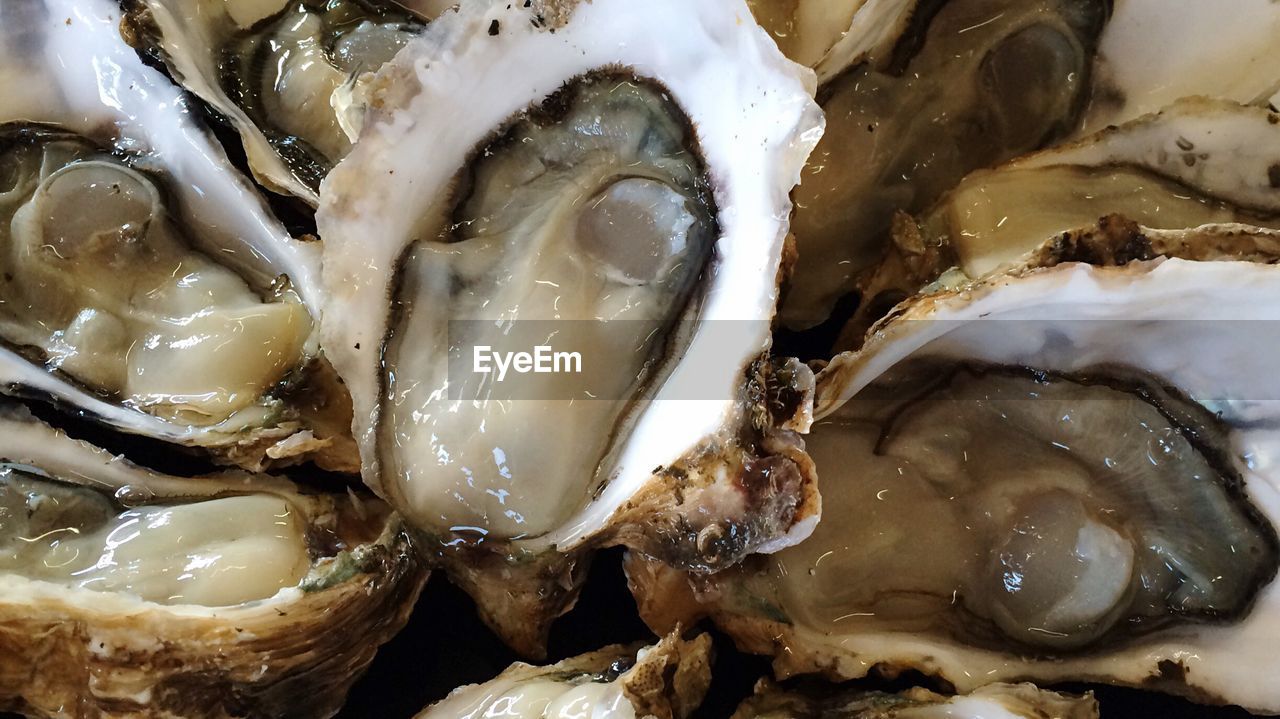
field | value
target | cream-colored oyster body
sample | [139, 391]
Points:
[130, 592]
[619, 190]
[148, 287]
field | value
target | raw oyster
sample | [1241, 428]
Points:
[971, 84]
[280, 71]
[995, 701]
[919, 94]
[1063, 472]
[665, 681]
[145, 284]
[618, 190]
[128, 592]
[1198, 162]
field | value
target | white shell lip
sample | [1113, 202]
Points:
[1153, 298]
[65, 63]
[755, 121]
[1229, 55]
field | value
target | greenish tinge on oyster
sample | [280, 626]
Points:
[282, 71]
[1005, 507]
[667, 680]
[970, 83]
[592, 206]
[125, 591]
[101, 284]
[996, 701]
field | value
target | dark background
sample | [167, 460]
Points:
[446, 646]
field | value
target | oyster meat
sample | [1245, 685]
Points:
[281, 71]
[664, 681]
[919, 94]
[995, 701]
[144, 283]
[1060, 473]
[130, 592]
[618, 191]
[971, 84]
[1198, 162]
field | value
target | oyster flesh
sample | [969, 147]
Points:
[974, 83]
[1060, 473]
[128, 592]
[665, 681]
[1197, 162]
[281, 71]
[145, 284]
[919, 94]
[995, 701]
[620, 191]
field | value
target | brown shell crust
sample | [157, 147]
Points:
[734, 493]
[296, 659]
[519, 598]
[671, 679]
[717, 505]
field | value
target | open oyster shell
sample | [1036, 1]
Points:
[1006, 701]
[667, 681]
[128, 592]
[281, 72]
[145, 284]
[919, 94]
[618, 189]
[1064, 472]
[1197, 162]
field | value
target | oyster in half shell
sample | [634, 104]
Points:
[144, 283]
[281, 71]
[1005, 701]
[953, 87]
[619, 190]
[919, 94]
[1198, 162]
[1065, 472]
[666, 681]
[128, 592]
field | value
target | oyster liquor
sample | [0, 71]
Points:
[542, 360]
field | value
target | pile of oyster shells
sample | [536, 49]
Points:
[1026, 251]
